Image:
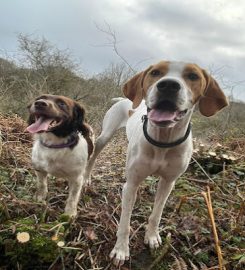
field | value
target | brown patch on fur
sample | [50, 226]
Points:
[89, 137]
[205, 89]
[130, 112]
[133, 89]
[161, 67]
[213, 99]
[136, 88]
[196, 86]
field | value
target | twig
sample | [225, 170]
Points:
[198, 181]
[207, 197]
[9, 191]
[183, 200]
[241, 212]
[200, 166]
[80, 267]
[113, 42]
[6, 210]
[58, 225]
[91, 258]
[209, 178]
[54, 262]
[134, 233]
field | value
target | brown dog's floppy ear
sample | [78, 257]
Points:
[83, 127]
[133, 89]
[213, 99]
[31, 117]
[78, 116]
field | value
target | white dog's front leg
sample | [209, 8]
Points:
[120, 252]
[75, 186]
[152, 237]
[42, 186]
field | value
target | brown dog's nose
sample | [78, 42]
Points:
[40, 104]
[168, 85]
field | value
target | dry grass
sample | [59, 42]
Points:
[16, 142]
[85, 243]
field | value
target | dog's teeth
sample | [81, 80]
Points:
[53, 123]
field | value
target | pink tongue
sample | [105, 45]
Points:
[160, 116]
[40, 125]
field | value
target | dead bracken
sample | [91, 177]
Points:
[88, 240]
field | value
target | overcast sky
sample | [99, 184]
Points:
[210, 33]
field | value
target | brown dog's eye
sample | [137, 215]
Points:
[155, 72]
[61, 104]
[192, 76]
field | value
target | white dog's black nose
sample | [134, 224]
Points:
[169, 86]
[40, 104]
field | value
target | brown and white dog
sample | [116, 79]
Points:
[162, 99]
[63, 143]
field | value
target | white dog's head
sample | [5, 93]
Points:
[171, 89]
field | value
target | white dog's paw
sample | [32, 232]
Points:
[71, 212]
[87, 178]
[119, 254]
[87, 181]
[153, 239]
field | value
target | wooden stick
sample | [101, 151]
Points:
[207, 197]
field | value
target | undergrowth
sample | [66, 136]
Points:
[84, 243]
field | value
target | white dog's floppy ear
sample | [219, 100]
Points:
[213, 99]
[133, 89]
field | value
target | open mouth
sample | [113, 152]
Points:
[165, 113]
[43, 123]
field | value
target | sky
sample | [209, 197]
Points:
[210, 33]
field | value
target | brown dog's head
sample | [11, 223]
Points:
[171, 89]
[57, 114]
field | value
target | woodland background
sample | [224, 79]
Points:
[85, 243]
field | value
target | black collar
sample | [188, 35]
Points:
[71, 142]
[162, 144]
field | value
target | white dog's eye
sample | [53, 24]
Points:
[192, 76]
[155, 72]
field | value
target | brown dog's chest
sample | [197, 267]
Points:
[60, 162]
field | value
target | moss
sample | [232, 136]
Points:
[64, 218]
[39, 250]
[3, 216]
[45, 248]
[4, 175]
[238, 241]
[184, 187]
[86, 198]
[202, 257]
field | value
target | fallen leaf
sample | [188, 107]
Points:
[90, 234]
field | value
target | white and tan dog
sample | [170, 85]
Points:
[62, 145]
[161, 101]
